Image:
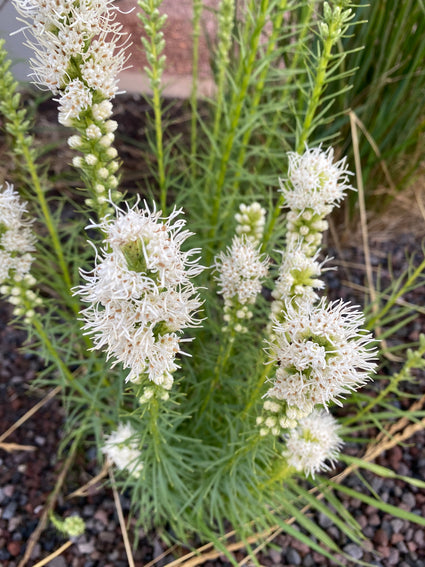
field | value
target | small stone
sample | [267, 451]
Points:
[58, 561]
[40, 441]
[411, 546]
[14, 548]
[9, 511]
[308, 561]
[409, 500]
[107, 537]
[402, 547]
[276, 556]
[353, 550]
[324, 521]
[396, 538]
[397, 525]
[86, 547]
[9, 490]
[293, 557]
[393, 557]
[101, 516]
[374, 520]
[14, 523]
[419, 538]
[381, 537]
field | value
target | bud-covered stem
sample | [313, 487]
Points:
[17, 126]
[154, 45]
[331, 28]
[238, 101]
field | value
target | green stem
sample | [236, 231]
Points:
[226, 349]
[238, 101]
[404, 374]
[223, 60]
[393, 300]
[255, 393]
[314, 102]
[196, 26]
[258, 90]
[160, 148]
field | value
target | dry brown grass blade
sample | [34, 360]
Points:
[56, 553]
[362, 208]
[121, 520]
[30, 413]
[10, 447]
[84, 491]
[420, 202]
[374, 146]
[383, 442]
[34, 537]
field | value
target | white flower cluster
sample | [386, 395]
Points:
[78, 50]
[239, 274]
[140, 294]
[122, 449]
[314, 186]
[251, 220]
[314, 441]
[322, 354]
[16, 248]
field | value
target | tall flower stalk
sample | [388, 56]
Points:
[80, 49]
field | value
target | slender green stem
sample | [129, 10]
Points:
[393, 300]
[226, 14]
[35, 180]
[226, 348]
[314, 102]
[196, 26]
[258, 90]
[238, 101]
[404, 374]
[160, 149]
[255, 393]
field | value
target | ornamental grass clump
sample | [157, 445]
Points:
[193, 340]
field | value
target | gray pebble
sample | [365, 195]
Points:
[58, 561]
[353, 550]
[293, 557]
[308, 560]
[107, 537]
[324, 521]
[419, 538]
[9, 511]
[276, 556]
[86, 547]
[397, 525]
[377, 482]
[402, 547]
[409, 500]
[393, 557]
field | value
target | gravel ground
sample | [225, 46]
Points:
[27, 477]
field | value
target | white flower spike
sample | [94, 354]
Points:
[322, 353]
[140, 293]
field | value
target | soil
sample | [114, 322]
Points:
[27, 476]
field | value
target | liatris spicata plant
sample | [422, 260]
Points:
[201, 354]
